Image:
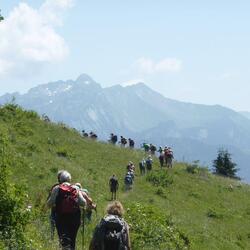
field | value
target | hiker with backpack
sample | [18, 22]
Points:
[169, 157]
[131, 143]
[128, 180]
[149, 163]
[85, 134]
[93, 136]
[123, 141]
[113, 185]
[131, 166]
[113, 138]
[112, 233]
[160, 150]
[161, 159]
[145, 146]
[152, 148]
[142, 166]
[67, 200]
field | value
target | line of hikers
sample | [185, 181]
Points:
[67, 200]
[90, 135]
[123, 141]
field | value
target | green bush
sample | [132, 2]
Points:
[14, 214]
[213, 213]
[194, 168]
[160, 178]
[151, 229]
[161, 192]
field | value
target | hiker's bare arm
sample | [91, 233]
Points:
[81, 200]
[51, 202]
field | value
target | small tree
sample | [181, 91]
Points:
[223, 164]
[1, 17]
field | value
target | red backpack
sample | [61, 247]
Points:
[67, 200]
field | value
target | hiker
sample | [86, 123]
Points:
[67, 200]
[142, 167]
[161, 159]
[152, 148]
[145, 146]
[123, 141]
[45, 118]
[131, 166]
[160, 150]
[128, 180]
[169, 157]
[113, 185]
[90, 205]
[149, 162]
[92, 135]
[84, 134]
[112, 233]
[131, 143]
[113, 138]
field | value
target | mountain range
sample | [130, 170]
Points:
[194, 131]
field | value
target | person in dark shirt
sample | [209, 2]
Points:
[113, 184]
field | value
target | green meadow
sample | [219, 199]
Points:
[180, 208]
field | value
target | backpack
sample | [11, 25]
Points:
[114, 229]
[128, 179]
[67, 200]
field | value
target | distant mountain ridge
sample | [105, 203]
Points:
[195, 131]
[246, 114]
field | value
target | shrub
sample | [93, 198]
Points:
[13, 213]
[160, 178]
[161, 192]
[62, 152]
[152, 229]
[213, 213]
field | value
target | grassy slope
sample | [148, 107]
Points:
[204, 207]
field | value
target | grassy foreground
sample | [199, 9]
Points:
[167, 209]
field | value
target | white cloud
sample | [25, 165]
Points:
[148, 66]
[29, 37]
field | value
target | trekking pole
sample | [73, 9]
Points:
[83, 225]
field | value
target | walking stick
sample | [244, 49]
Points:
[83, 225]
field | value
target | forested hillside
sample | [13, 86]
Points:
[181, 208]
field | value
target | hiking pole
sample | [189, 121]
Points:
[83, 225]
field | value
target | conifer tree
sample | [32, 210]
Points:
[223, 164]
[1, 17]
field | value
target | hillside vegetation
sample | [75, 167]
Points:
[181, 208]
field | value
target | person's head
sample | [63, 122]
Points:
[64, 176]
[78, 185]
[59, 174]
[115, 208]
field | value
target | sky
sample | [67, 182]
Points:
[193, 51]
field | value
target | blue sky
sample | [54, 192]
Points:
[195, 51]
